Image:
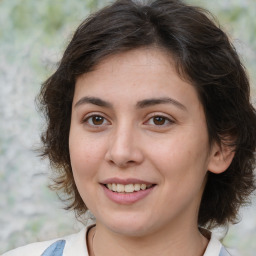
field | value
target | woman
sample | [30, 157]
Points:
[150, 128]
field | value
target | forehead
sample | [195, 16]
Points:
[143, 56]
[135, 75]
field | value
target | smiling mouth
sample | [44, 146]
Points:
[129, 188]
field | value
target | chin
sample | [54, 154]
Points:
[132, 226]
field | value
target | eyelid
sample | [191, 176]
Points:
[93, 114]
[170, 119]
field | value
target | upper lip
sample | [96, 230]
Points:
[127, 181]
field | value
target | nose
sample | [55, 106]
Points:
[124, 148]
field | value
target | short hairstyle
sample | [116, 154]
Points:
[203, 55]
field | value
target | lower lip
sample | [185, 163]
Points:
[127, 198]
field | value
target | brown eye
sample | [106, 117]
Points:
[96, 120]
[159, 120]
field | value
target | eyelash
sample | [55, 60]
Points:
[88, 118]
[167, 121]
[89, 121]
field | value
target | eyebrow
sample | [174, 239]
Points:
[94, 101]
[140, 104]
[156, 101]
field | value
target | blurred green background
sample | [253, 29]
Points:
[33, 36]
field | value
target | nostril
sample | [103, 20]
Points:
[123, 156]
[131, 162]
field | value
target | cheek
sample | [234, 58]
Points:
[183, 167]
[181, 157]
[85, 155]
[85, 161]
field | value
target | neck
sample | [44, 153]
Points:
[189, 241]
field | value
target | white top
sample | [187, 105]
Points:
[75, 245]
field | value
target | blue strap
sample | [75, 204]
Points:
[55, 249]
[224, 252]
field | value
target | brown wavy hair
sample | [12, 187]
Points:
[203, 55]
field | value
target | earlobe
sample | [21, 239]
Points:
[220, 158]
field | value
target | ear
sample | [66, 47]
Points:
[221, 157]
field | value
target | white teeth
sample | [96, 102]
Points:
[113, 187]
[137, 187]
[129, 188]
[143, 186]
[119, 188]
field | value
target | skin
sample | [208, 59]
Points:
[127, 141]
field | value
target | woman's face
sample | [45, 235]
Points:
[136, 126]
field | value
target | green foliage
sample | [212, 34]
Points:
[93, 4]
